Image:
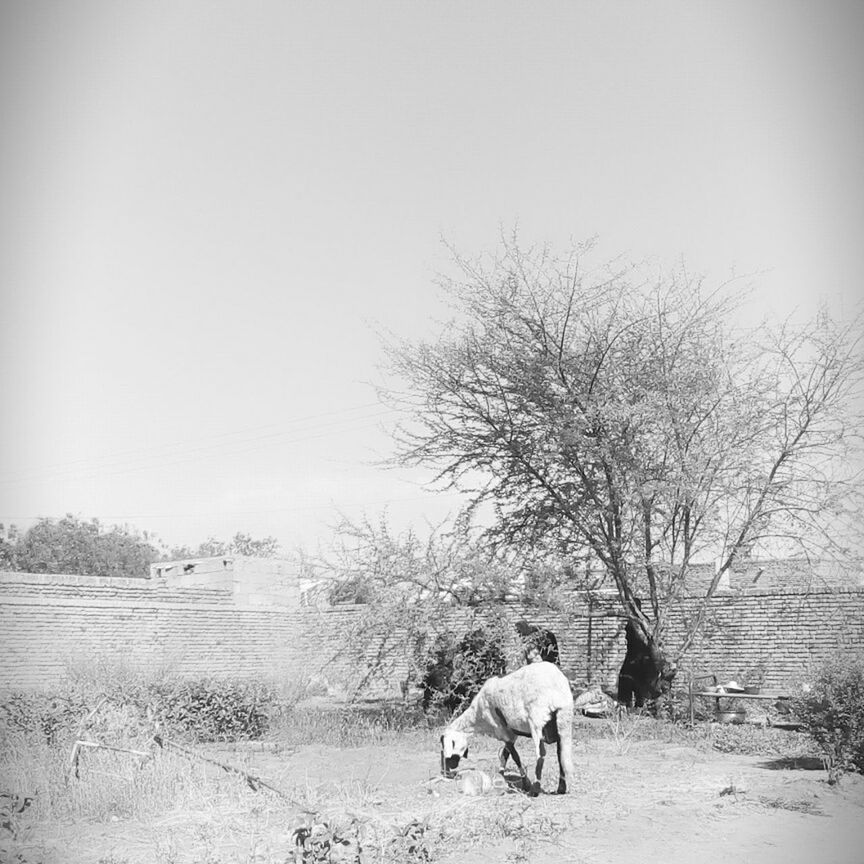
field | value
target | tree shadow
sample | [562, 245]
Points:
[794, 763]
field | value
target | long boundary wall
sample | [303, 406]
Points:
[196, 623]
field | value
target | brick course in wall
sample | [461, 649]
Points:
[51, 622]
[34, 586]
[773, 638]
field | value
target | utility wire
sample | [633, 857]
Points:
[159, 457]
[294, 509]
[140, 452]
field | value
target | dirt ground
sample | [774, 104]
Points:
[639, 801]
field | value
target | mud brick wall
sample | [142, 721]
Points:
[53, 624]
[765, 638]
[589, 639]
[239, 626]
[772, 638]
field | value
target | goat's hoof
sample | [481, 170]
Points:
[534, 791]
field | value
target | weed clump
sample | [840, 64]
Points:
[197, 710]
[41, 716]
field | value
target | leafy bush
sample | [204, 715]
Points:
[213, 709]
[47, 717]
[832, 712]
[201, 710]
[456, 671]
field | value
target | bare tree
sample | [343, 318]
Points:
[620, 411]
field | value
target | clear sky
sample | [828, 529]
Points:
[208, 208]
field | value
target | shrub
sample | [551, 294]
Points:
[455, 672]
[213, 709]
[832, 712]
[47, 717]
[199, 710]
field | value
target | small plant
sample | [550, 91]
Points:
[749, 740]
[623, 726]
[832, 712]
[800, 805]
[411, 843]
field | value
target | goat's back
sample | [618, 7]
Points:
[534, 692]
[542, 676]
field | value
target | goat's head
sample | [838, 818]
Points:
[454, 747]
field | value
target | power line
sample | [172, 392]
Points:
[260, 512]
[158, 457]
[142, 452]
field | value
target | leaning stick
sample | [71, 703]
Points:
[73, 762]
[76, 747]
[76, 752]
[95, 744]
[254, 783]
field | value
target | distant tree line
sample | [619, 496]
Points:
[89, 548]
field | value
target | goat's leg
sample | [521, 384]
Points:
[538, 771]
[562, 771]
[510, 749]
[540, 750]
[505, 753]
[565, 751]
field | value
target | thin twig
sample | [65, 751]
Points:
[252, 781]
[85, 722]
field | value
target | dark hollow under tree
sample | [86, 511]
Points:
[645, 673]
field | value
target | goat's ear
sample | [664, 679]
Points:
[466, 753]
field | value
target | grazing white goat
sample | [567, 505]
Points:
[534, 701]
